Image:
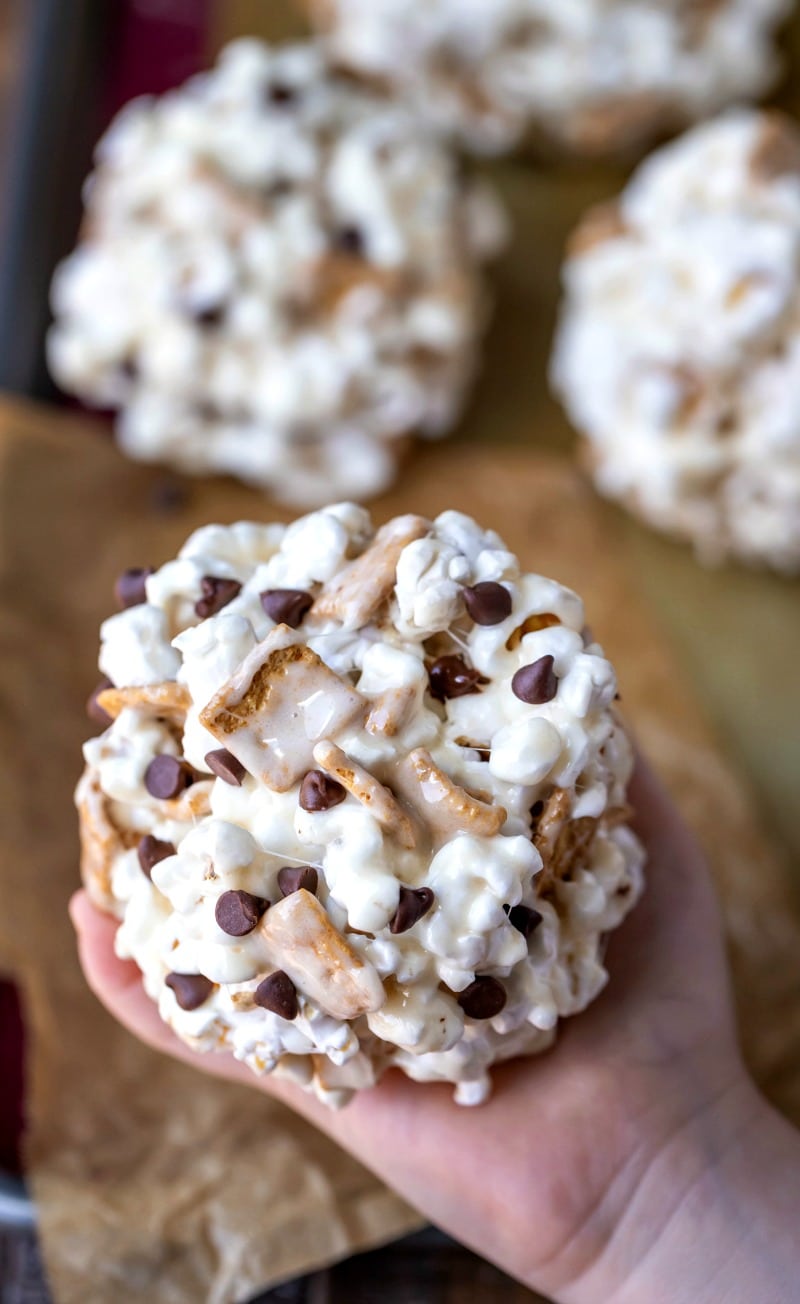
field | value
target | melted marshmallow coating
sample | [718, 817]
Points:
[278, 277]
[679, 350]
[486, 800]
[593, 74]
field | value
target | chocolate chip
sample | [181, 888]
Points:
[452, 677]
[217, 593]
[536, 683]
[278, 994]
[93, 708]
[524, 919]
[237, 913]
[294, 877]
[319, 792]
[488, 603]
[166, 777]
[280, 93]
[286, 606]
[350, 239]
[211, 316]
[414, 903]
[150, 851]
[191, 989]
[130, 590]
[483, 999]
[226, 766]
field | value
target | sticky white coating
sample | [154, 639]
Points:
[679, 350]
[279, 276]
[595, 75]
[509, 802]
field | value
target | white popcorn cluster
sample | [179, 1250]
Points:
[679, 350]
[279, 276]
[596, 75]
[361, 801]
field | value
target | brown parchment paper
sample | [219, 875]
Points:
[153, 1182]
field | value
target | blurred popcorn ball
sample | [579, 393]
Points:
[595, 75]
[679, 349]
[278, 278]
[361, 801]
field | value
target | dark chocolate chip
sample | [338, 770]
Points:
[319, 792]
[525, 919]
[294, 877]
[191, 989]
[237, 913]
[150, 851]
[414, 903]
[217, 593]
[350, 239]
[483, 999]
[452, 677]
[278, 994]
[280, 93]
[536, 683]
[226, 766]
[166, 777]
[286, 606]
[211, 316]
[129, 589]
[93, 708]
[488, 603]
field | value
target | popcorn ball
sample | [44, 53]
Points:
[679, 350]
[279, 277]
[594, 75]
[361, 799]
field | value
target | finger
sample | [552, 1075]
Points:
[400, 1129]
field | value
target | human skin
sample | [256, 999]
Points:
[636, 1161]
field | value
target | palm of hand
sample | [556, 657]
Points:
[539, 1178]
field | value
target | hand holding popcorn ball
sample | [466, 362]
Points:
[279, 278]
[679, 351]
[361, 800]
[594, 76]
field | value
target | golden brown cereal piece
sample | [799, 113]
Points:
[561, 841]
[169, 700]
[444, 807]
[101, 840]
[338, 275]
[531, 625]
[356, 594]
[280, 701]
[388, 712]
[365, 788]
[300, 939]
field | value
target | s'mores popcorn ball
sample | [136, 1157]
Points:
[279, 277]
[678, 356]
[361, 799]
[595, 75]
